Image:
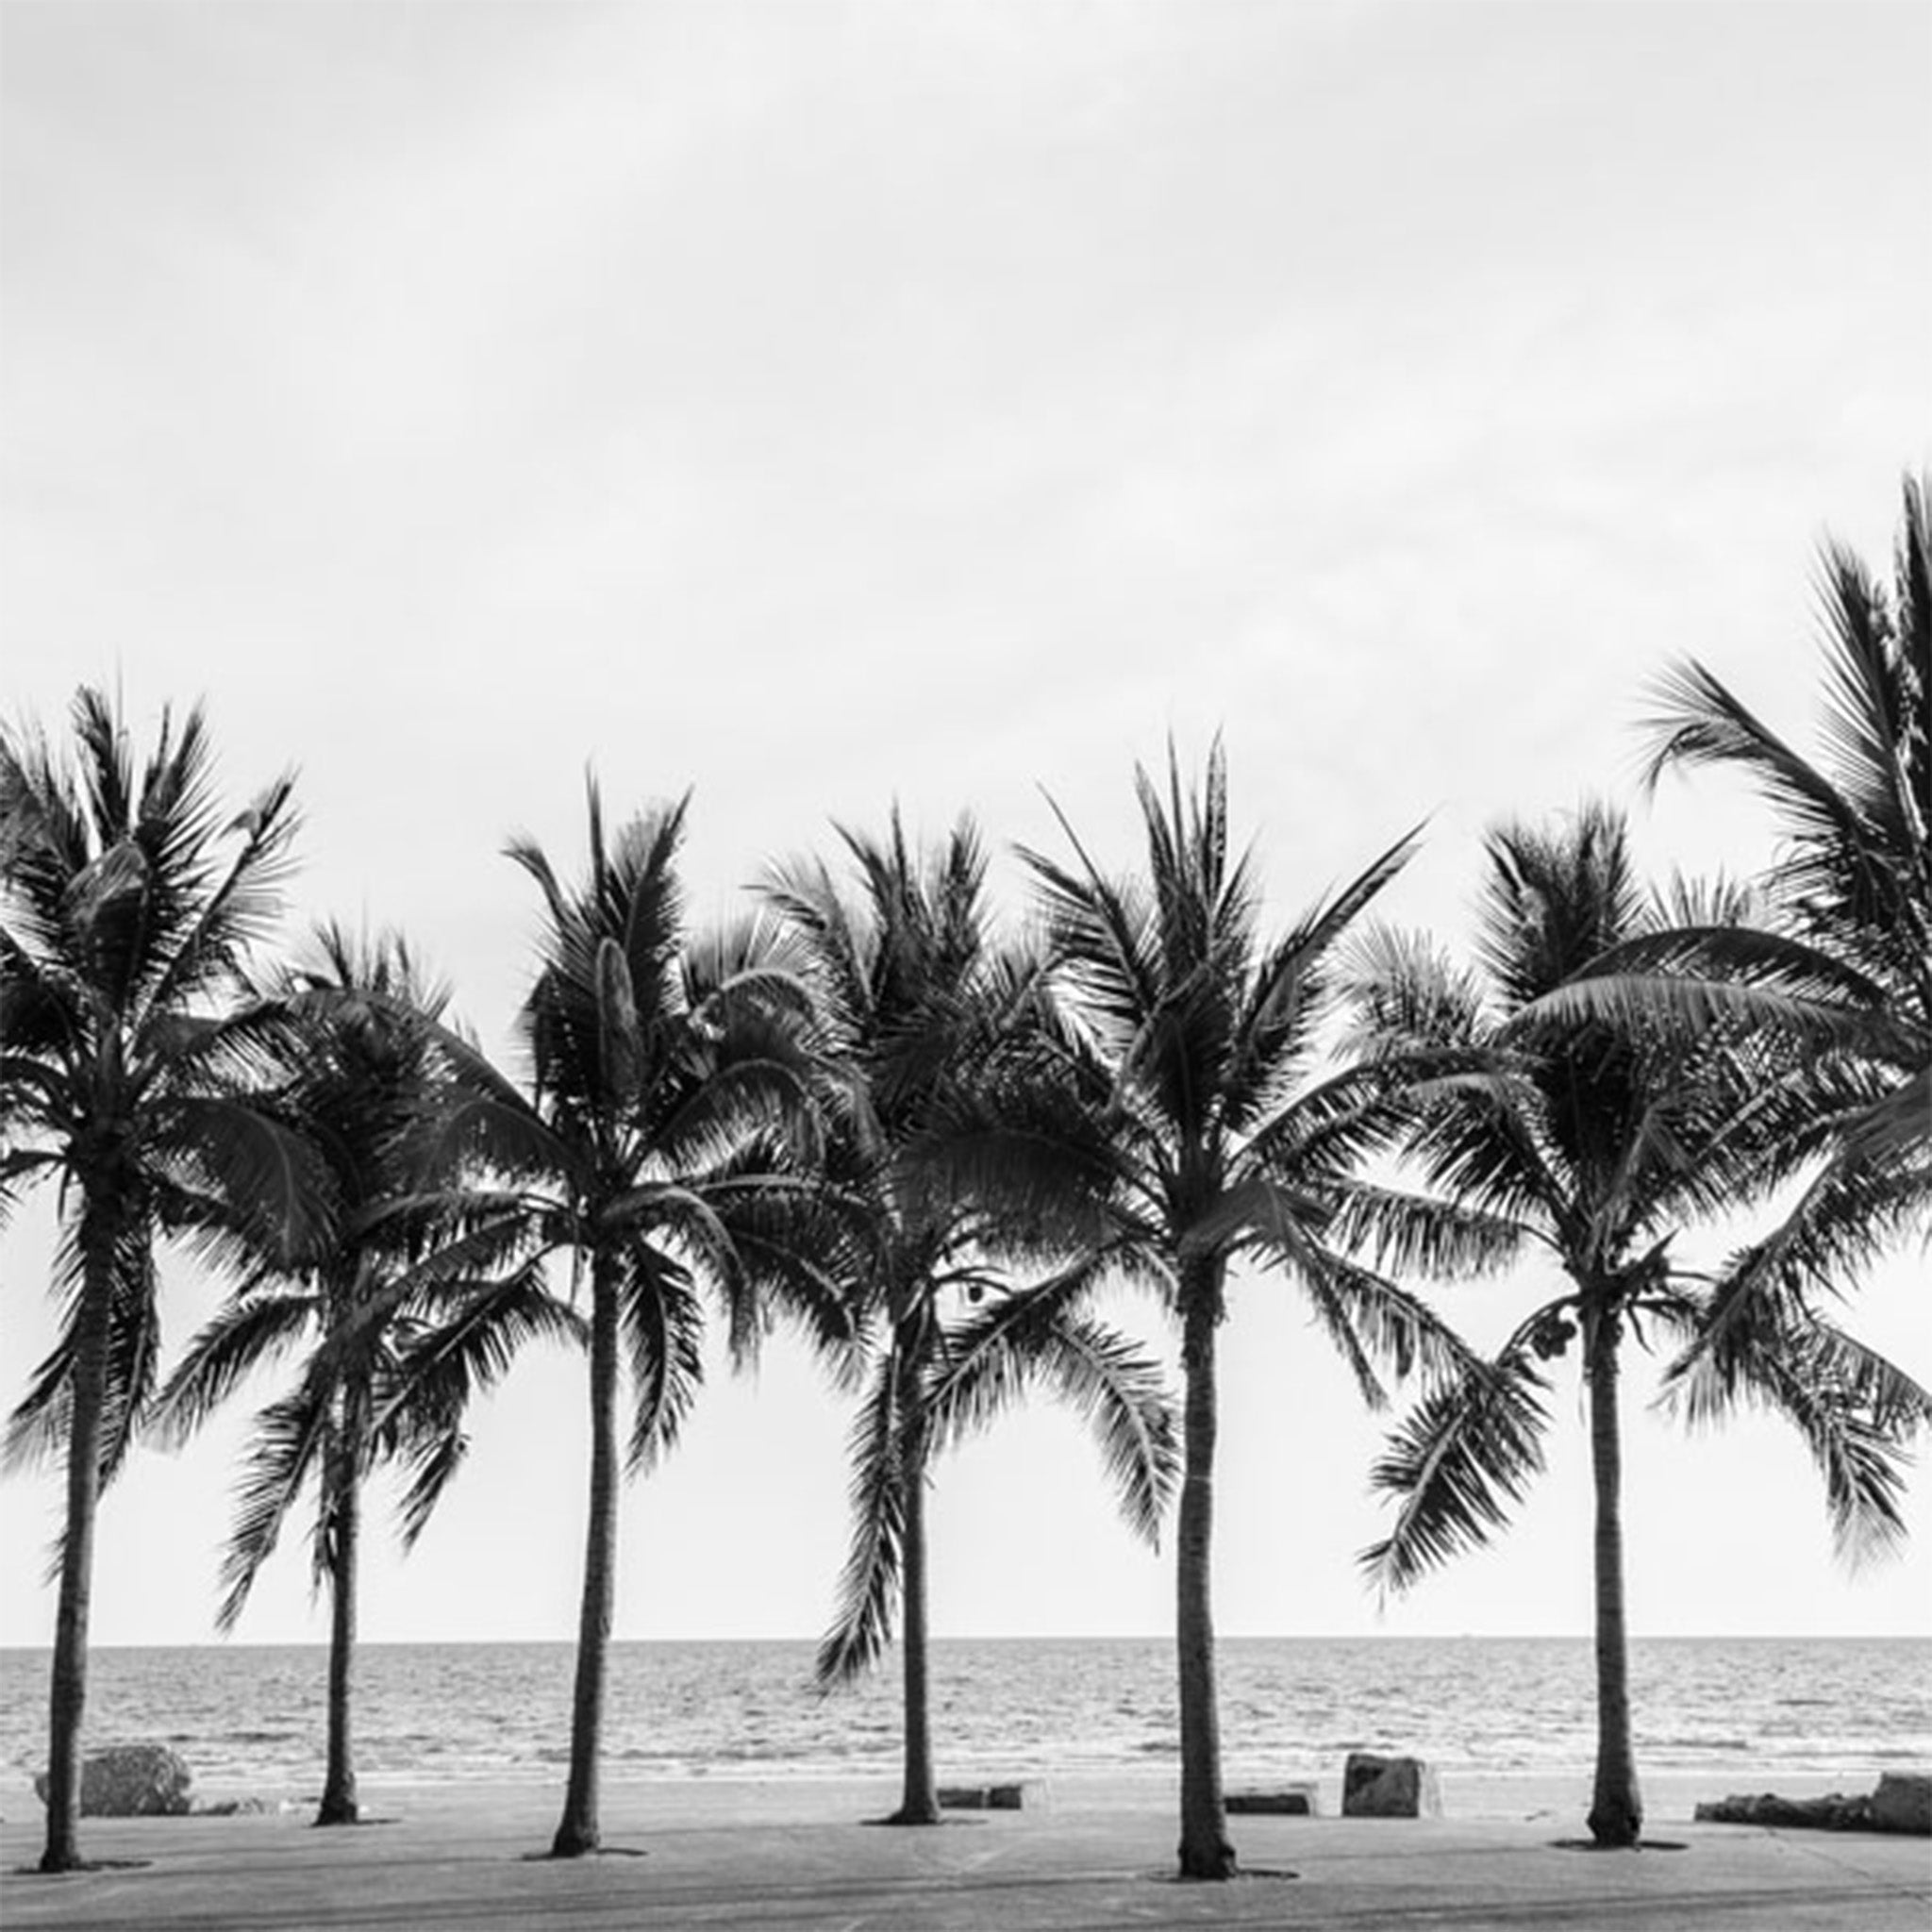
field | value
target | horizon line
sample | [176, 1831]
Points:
[321, 1643]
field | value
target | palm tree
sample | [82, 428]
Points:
[1597, 1141]
[127, 904]
[648, 1151]
[367, 1071]
[914, 996]
[1188, 1127]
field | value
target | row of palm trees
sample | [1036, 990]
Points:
[862, 1114]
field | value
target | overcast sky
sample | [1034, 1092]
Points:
[819, 406]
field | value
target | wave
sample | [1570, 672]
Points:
[252, 1718]
[1694, 1742]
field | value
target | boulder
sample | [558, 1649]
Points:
[130, 1781]
[1284, 1801]
[1378, 1786]
[1026, 1795]
[1903, 1801]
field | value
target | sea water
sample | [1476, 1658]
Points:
[252, 1717]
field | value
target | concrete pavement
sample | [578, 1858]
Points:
[799, 1859]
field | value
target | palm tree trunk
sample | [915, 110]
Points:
[1616, 1811]
[919, 1800]
[338, 1801]
[1205, 1850]
[578, 1831]
[67, 1703]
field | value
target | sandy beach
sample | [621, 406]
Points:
[1097, 1855]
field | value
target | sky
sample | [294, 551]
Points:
[816, 406]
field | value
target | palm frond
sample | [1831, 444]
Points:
[134, 1349]
[36, 1427]
[285, 1451]
[1405, 995]
[217, 927]
[252, 1329]
[1459, 1463]
[645, 904]
[1691, 978]
[492, 1128]
[1372, 1319]
[109, 1255]
[800, 1246]
[662, 1324]
[1847, 1214]
[1099, 934]
[1041, 1336]
[444, 1368]
[267, 1175]
[1858, 1413]
[1295, 983]
[1418, 1234]
[868, 1585]
[744, 1093]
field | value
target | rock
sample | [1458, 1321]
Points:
[1027, 1794]
[1835, 1812]
[1378, 1786]
[1903, 1801]
[130, 1781]
[1286, 1801]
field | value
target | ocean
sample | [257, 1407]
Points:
[249, 1718]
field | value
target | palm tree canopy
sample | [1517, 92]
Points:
[1189, 1107]
[1852, 891]
[903, 977]
[1838, 973]
[1601, 1137]
[1855, 875]
[1600, 1134]
[369, 1071]
[129, 905]
[668, 1131]
[916, 1003]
